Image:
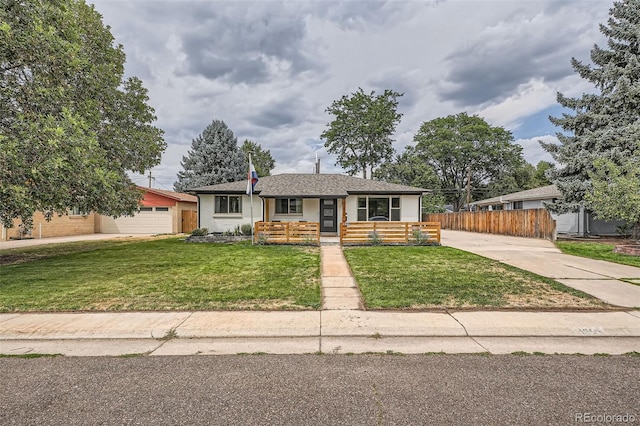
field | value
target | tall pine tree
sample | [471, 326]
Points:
[214, 158]
[606, 124]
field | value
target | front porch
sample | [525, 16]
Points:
[350, 233]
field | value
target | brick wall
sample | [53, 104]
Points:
[58, 226]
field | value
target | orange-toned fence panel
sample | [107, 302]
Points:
[287, 232]
[189, 220]
[533, 223]
[389, 232]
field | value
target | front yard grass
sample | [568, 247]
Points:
[600, 251]
[444, 277]
[158, 274]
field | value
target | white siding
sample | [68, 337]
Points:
[227, 222]
[410, 210]
[533, 204]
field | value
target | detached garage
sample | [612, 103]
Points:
[162, 212]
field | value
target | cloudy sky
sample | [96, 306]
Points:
[269, 69]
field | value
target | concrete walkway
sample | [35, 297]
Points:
[595, 277]
[339, 288]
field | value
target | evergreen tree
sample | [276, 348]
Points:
[262, 159]
[214, 158]
[606, 125]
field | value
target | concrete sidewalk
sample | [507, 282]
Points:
[595, 277]
[334, 331]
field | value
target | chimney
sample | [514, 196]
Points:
[317, 164]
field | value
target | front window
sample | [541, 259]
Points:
[228, 204]
[378, 209]
[289, 206]
[77, 212]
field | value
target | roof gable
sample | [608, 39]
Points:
[177, 196]
[541, 193]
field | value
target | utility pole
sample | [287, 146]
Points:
[150, 177]
[469, 188]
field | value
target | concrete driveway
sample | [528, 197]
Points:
[596, 277]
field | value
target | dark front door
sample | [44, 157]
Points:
[329, 215]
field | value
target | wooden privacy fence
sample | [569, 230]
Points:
[389, 232]
[287, 232]
[533, 223]
[189, 220]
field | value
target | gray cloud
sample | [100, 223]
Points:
[359, 15]
[245, 43]
[269, 69]
[514, 51]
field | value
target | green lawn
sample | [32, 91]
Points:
[599, 251]
[443, 277]
[158, 274]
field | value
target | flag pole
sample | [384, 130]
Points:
[250, 177]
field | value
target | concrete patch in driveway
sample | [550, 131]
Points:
[610, 291]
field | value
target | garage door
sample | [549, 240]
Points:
[150, 220]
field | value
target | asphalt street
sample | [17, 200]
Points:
[320, 389]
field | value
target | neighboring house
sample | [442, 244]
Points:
[578, 223]
[162, 212]
[75, 223]
[325, 198]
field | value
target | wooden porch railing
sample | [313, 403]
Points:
[287, 232]
[389, 232]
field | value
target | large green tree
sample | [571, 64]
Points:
[466, 153]
[360, 133]
[261, 158]
[214, 158]
[409, 169]
[71, 126]
[604, 129]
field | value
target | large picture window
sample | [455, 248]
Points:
[289, 206]
[228, 204]
[378, 209]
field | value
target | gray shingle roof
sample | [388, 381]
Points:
[541, 193]
[311, 186]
